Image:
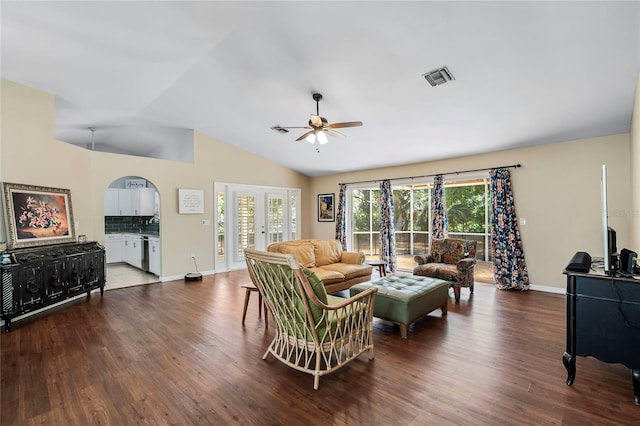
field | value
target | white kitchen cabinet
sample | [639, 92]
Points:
[132, 250]
[154, 255]
[130, 202]
[117, 202]
[113, 248]
[143, 201]
[125, 203]
[111, 203]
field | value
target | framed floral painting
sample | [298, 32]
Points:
[37, 215]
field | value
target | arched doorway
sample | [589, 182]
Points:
[132, 232]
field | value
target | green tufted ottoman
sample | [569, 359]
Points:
[403, 298]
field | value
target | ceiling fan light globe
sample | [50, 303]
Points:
[322, 138]
[311, 138]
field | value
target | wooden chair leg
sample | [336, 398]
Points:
[247, 293]
[266, 316]
[262, 304]
[456, 292]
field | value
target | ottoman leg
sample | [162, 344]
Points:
[404, 331]
[444, 308]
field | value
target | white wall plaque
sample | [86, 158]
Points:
[190, 201]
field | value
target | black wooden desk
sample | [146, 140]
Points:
[603, 321]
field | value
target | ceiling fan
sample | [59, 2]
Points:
[319, 127]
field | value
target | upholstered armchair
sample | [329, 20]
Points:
[449, 259]
[316, 333]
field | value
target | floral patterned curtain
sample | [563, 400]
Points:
[509, 267]
[387, 228]
[438, 210]
[341, 221]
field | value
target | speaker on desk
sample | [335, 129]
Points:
[628, 261]
[580, 262]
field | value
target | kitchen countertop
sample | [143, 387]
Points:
[142, 234]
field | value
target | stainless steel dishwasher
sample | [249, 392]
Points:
[145, 253]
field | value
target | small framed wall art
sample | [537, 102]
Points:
[326, 208]
[190, 201]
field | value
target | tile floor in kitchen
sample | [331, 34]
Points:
[121, 275]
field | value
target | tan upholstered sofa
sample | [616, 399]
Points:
[338, 270]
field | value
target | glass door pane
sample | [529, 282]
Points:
[293, 215]
[275, 220]
[220, 227]
[245, 208]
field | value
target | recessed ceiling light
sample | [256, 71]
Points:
[438, 76]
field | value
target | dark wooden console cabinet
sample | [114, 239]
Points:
[41, 276]
[603, 321]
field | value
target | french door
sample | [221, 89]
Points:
[251, 217]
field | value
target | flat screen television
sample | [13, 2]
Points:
[610, 256]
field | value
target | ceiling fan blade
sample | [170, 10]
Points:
[346, 124]
[334, 133]
[317, 121]
[301, 127]
[305, 135]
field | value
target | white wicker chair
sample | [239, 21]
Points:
[316, 333]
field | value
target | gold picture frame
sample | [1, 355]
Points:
[37, 215]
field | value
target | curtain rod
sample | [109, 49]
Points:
[435, 174]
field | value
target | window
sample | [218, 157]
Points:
[293, 214]
[468, 212]
[467, 216]
[220, 226]
[245, 220]
[411, 213]
[365, 221]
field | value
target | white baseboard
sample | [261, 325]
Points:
[181, 277]
[547, 289]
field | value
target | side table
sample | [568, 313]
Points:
[380, 264]
[250, 288]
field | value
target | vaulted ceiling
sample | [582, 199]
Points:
[144, 75]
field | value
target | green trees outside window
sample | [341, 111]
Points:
[466, 208]
[467, 212]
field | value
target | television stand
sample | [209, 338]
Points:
[603, 321]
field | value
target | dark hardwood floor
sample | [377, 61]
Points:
[176, 353]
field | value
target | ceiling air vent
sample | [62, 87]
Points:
[279, 129]
[438, 76]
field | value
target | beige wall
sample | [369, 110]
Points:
[557, 191]
[635, 172]
[30, 155]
